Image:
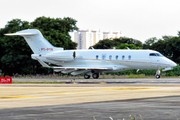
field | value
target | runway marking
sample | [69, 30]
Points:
[78, 92]
[131, 88]
[17, 97]
[72, 92]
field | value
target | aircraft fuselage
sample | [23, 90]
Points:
[115, 59]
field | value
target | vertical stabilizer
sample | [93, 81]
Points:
[36, 41]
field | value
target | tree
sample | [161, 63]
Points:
[172, 49]
[56, 31]
[121, 40]
[149, 42]
[16, 55]
[109, 44]
[165, 37]
[104, 44]
[125, 45]
[1, 54]
[178, 33]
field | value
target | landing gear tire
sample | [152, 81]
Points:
[158, 76]
[158, 72]
[86, 76]
[95, 75]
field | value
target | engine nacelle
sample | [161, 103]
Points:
[61, 56]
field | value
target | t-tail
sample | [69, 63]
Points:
[36, 41]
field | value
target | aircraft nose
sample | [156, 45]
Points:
[173, 64]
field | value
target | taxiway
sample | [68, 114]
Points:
[153, 100]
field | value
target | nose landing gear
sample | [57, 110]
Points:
[158, 76]
[158, 72]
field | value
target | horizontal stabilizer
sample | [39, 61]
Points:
[21, 34]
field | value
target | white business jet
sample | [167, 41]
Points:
[92, 62]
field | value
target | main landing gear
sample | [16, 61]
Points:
[86, 76]
[158, 72]
[94, 75]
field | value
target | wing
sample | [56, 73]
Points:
[73, 68]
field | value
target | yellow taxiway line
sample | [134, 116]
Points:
[79, 92]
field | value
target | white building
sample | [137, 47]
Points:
[87, 38]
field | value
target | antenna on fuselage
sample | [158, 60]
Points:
[92, 48]
[128, 48]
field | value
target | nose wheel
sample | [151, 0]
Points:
[158, 72]
[158, 76]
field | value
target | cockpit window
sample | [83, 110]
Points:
[159, 54]
[156, 54]
[152, 54]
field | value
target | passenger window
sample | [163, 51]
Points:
[152, 54]
[129, 57]
[103, 57]
[96, 56]
[116, 57]
[123, 57]
[110, 57]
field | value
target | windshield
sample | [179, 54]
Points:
[159, 54]
[156, 54]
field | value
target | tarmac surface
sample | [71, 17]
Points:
[103, 99]
[109, 81]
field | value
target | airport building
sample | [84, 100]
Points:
[87, 38]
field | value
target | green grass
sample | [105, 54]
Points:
[138, 76]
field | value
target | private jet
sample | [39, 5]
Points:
[92, 62]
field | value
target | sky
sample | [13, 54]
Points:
[138, 19]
